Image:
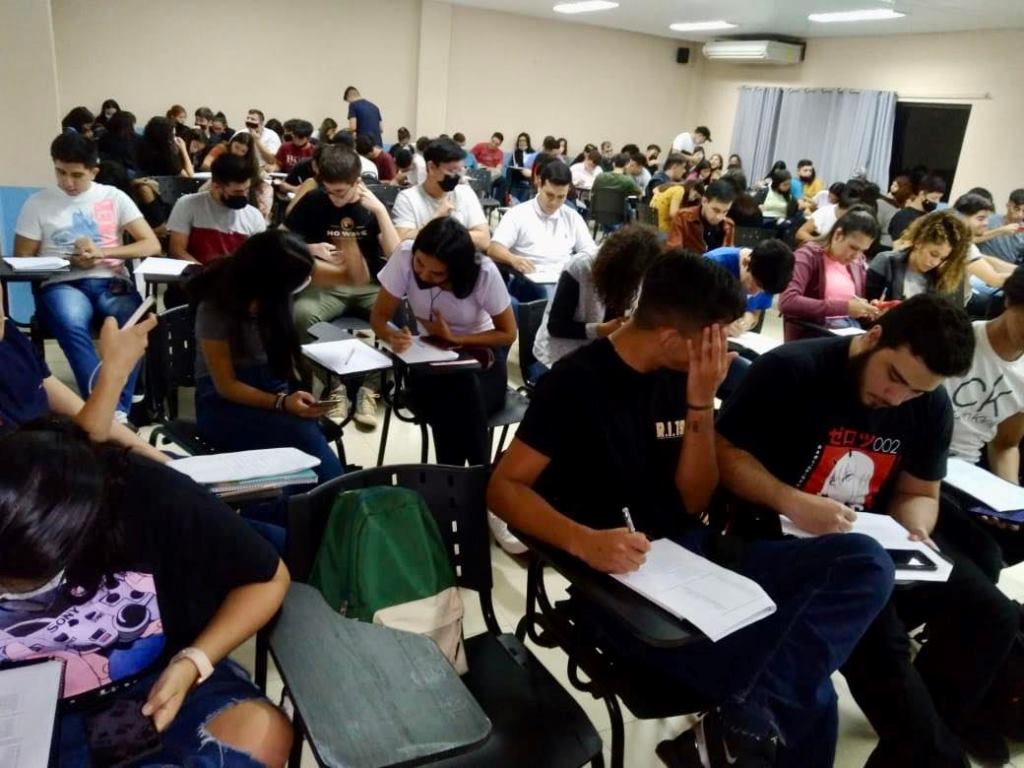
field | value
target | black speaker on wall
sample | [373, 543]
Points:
[682, 55]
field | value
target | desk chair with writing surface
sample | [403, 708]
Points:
[174, 187]
[534, 720]
[609, 209]
[386, 193]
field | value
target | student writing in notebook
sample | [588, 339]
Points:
[822, 429]
[134, 575]
[628, 421]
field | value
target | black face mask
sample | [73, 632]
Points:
[929, 205]
[235, 202]
[449, 182]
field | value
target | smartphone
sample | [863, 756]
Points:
[329, 401]
[139, 313]
[120, 734]
[911, 560]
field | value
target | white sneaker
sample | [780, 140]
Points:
[505, 539]
[339, 412]
[366, 408]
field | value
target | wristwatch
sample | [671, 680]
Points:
[199, 659]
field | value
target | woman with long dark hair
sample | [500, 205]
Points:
[161, 152]
[460, 298]
[518, 174]
[261, 194]
[107, 111]
[595, 295]
[152, 582]
[248, 362]
[119, 143]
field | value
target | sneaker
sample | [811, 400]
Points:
[505, 539]
[366, 408]
[720, 744]
[339, 413]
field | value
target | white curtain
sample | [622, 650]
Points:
[754, 129]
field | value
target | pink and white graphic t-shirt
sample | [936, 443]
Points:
[56, 219]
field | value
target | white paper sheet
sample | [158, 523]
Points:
[157, 265]
[892, 536]
[347, 356]
[990, 490]
[37, 263]
[544, 276]
[756, 342]
[28, 710]
[714, 599]
[244, 465]
[853, 331]
[421, 352]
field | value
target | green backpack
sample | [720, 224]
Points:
[382, 560]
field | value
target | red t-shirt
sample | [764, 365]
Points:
[386, 166]
[289, 155]
[488, 155]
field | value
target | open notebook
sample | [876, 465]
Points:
[29, 696]
[1000, 498]
[347, 356]
[714, 599]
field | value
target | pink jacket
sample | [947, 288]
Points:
[804, 297]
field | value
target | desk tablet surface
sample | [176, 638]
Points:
[370, 696]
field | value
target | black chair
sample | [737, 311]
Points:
[750, 237]
[533, 717]
[647, 215]
[386, 193]
[174, 187]
[608, 208]
[531, 315]
[370, 178]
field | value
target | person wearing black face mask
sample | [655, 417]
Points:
[928, 192]
[441, 195]
[213, 223]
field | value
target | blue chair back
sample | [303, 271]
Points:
[21, 305]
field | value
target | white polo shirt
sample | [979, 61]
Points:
[582, 178]
[414, 208]
[547, 241]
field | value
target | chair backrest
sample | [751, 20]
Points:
[171, 356]
[478, 185]
[647, 215]
[531, 315]
[456, 496]
[386, 193]
[173, 187]
[749, 237]
[608, 206]
[370, 178]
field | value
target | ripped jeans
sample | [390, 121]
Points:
[185, 742]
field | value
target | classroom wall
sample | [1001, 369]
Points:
[912, 65]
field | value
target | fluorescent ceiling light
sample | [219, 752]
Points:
[585, 6]
[872, 14]
[701, 26]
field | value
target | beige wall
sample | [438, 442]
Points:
[28, 86]
[912, 65]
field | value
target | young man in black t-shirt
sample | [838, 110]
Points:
[345, 214]
[820, 430]
[627, 421]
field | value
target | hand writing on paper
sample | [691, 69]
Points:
[613, 551]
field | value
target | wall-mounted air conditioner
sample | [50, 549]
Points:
[754, 52]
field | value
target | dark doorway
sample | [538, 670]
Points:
[928, 135]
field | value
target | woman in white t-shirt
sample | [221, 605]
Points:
[459, 298]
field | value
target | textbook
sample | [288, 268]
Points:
[714, 599]
[29, 696]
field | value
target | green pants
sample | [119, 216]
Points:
[321, 305]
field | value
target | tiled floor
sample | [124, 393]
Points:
[856, 739]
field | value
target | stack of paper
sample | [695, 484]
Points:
[547, 275]
[231, 474]
[347, 356]
[28, 713]
[157, 265]
[851, 331]
[755, 342]
[37, 263]
[893, 537]
[714, 599]
[1001, 498]
[420, 352]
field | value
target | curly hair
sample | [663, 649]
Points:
[943, 227]
[620, 265]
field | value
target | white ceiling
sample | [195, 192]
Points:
[780, 17]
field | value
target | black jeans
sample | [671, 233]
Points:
[457, 406]
[918, 708]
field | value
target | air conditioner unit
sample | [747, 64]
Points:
[754, 52]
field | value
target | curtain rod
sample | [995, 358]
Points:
[947, 97]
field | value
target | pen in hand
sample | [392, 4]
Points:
[629, 520]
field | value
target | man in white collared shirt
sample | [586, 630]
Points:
[540, 236]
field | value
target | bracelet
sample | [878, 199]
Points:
[692, 407]
[279, 403]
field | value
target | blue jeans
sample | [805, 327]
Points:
[68, 309]
[228, 426]
[185, 742]
[773, 676]
[524, 289]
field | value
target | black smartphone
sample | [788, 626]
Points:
[911, 560]
[120, 734]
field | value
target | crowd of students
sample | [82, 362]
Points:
[632, 352]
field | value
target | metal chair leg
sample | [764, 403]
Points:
[299, 728]
[598, 761]
[618, 731]
[262, 651]
[424, 443]
[384, 435]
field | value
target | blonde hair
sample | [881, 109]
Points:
[944, 228]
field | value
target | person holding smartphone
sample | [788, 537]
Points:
[142, 582]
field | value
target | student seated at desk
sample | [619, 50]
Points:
[85, 222]
[460, 298]
[763, 271]
[706, 226]
[986, 273]
[605, 430]
[829, 275]
[594, 295]
[825, 429]
[93, 531]
[541, 234]
[261, 194]
[248, 358]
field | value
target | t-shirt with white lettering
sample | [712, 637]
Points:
[469, 315]
[987, 395]
[547, 241]
[213, 229]
[56, 219]
[414, 208]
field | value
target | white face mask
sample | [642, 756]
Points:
[47, 587]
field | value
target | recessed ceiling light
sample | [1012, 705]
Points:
[585, 6]
[701, 26]
[871, 14]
